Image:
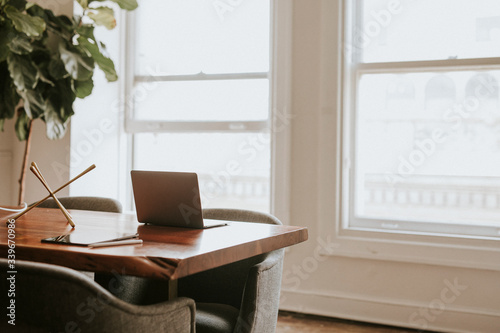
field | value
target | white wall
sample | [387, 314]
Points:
[6, 141]
[444, 298]
[50, 156]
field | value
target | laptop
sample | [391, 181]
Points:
[169, 199]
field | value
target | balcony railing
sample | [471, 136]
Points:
[247, 192]
[432, 198]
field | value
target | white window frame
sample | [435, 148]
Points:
[277, 123]
[133, 126]
[359, 242]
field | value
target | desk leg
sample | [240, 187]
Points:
[172, 289]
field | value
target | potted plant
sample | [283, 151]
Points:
[47, 61]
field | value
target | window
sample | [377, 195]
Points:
[422, 121]
[200, 96]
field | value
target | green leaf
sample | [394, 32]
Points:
[44, 77]
[58, 108]
[55, 128]
[64, 93]
[80, 67]
[104, 16]
[104, 63]
[35, 10]
[56, 69]
[86, 30]
[22, 71]
[21, 44]
[22, 125]
[124, 4]
[8, 95]
[83, 3]
[5, 32]
[127, 4]
[60, 23]
[83, 88]
[34, 103]
[19, 4]
[60, 99]
[41, 58]
[31, 26]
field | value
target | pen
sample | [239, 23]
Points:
[117, 243]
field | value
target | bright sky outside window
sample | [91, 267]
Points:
[409, 30]
[202, 96]
[179, 37]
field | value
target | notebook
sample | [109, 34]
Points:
[169, 199]
[87, 237]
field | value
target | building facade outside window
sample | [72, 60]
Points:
[422, 117]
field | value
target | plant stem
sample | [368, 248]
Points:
[22, 178]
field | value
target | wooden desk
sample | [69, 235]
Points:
[167, 253]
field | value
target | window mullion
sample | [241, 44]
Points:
[144, 126]
[432, 65]
[201, 77]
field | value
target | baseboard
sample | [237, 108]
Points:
[391, 312]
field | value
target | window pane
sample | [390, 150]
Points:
[219, 100]
[233, 168]
[189, 36]
[427, 30]
[428, 147]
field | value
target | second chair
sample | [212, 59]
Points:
[242, 297]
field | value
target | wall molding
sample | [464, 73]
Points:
[464, 253]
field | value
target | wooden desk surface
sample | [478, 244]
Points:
[167, 253]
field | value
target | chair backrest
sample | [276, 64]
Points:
[229, 278]
[251, 285]
[242, 215]
[58, 299]
[85, 203]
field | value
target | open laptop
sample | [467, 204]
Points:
[169, 199]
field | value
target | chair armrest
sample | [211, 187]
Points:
[224, 285]
[260, 303]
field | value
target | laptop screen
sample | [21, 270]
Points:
[167, 198]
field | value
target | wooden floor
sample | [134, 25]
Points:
[289, 322]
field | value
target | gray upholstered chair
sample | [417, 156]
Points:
[51, 298]
[85, 203]
[241, 297]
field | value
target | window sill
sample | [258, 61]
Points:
[452, 251]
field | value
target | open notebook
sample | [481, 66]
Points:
[88, 237]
